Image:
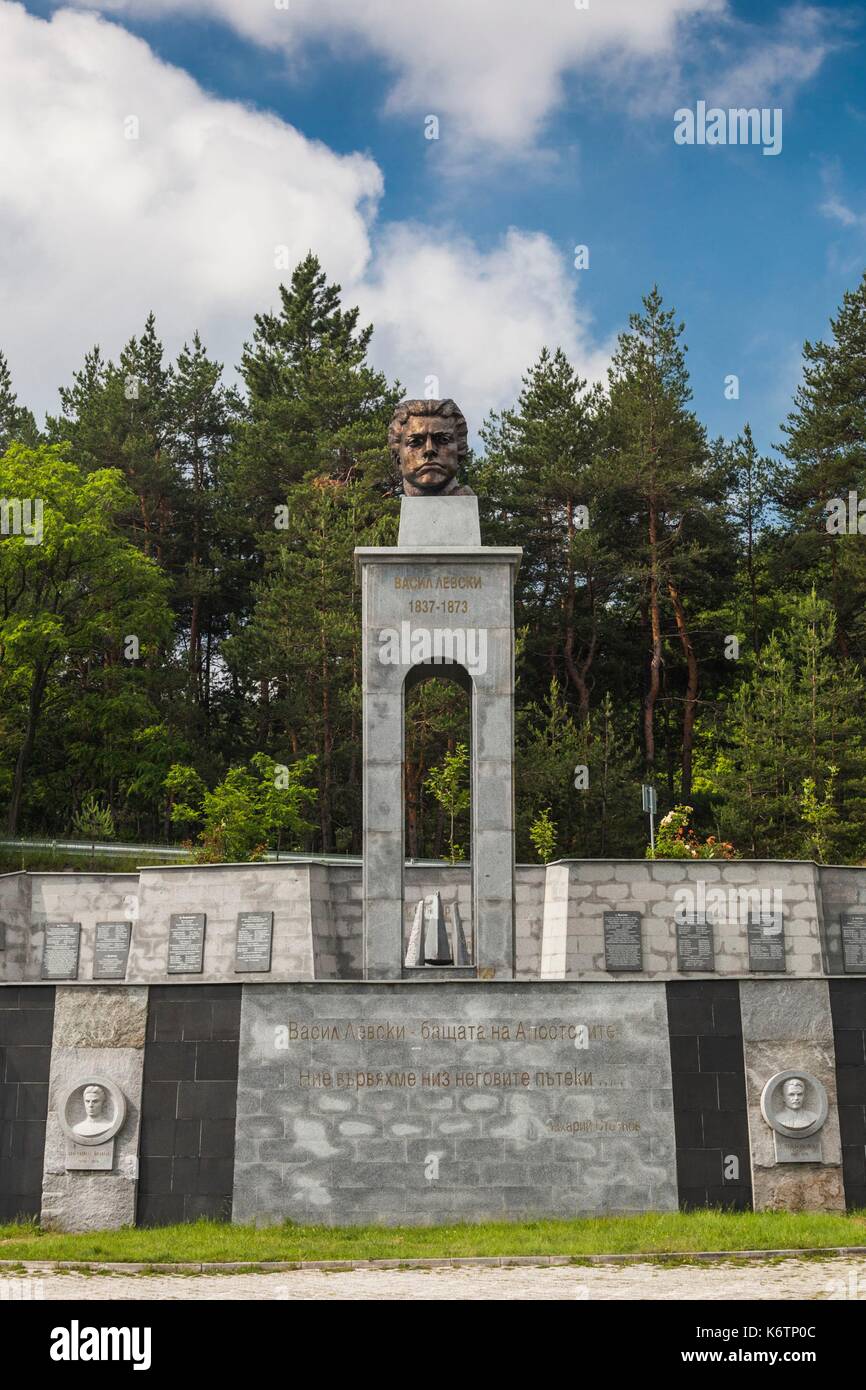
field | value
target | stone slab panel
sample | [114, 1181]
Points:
[98, 1031]
[787, 1025]
[408, 1102]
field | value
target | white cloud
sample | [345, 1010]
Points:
[495, 70]
[834, 208]
[96, 229]
[475, 321]
[492, 70]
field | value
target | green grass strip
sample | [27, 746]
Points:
[651, 1233]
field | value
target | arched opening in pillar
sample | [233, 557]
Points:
[437, 811]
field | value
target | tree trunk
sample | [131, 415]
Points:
[576, 673]
[656, 655]
[691, 704]
[34, 709]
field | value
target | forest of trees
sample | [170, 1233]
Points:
[688, 611]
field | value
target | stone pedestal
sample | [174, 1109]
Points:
[444, 610]
[98, 1032]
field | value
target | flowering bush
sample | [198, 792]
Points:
[676, 840]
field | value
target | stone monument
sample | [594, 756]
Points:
[438, 603]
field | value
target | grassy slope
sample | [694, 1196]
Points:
[653, 1232]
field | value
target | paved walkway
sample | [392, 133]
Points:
[783, 1279]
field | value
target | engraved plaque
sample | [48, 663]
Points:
[94, 1158]
[695, 949]
[766, 942]
[2, 936]
[854, 942]
[622, 941]
[254, 938]
[186, 943]
[60, 950]
[111, 950]
[797, 1150]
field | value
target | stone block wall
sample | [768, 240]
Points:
[848, 1005]
[26, 1027]
[788, 1024]
[16, 928]
[843, 889]
[318, 914]
[189, 1103]
[273, 1100]
[579, 892]
[443, 1102]
[709, 1089]
[98, 1031]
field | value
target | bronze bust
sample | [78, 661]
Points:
[428, 441]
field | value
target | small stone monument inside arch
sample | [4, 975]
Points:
[439, 602]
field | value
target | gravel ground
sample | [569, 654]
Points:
[755, 1280]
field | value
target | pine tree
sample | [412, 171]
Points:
[669, 496]
[17, 425]
[826, 450]
[542, 491]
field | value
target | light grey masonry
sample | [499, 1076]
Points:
[580, 891]
[98, 1031]
[318, 916]
[464, 593]
[424, 1103]
[787, 1025]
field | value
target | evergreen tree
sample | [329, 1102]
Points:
[825, 447]
[796, 716]
[17, 424]
[669, 496]
[543, 492]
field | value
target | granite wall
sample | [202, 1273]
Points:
[97, 1032]
[709, 1087]
[788, 1024]
[26, 1026]
[848, 1007]
[189, 1103]
[559, 914]
[579, 892]
[445, 1102]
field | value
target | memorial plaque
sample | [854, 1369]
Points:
[255, 935]
[797, 1150]
[96, 1157]
[60, 950]
[559, 1092]
[2, 936]
[622, 941]
[111, 950]
[767, 942]
[186, 943]
[695, 949]
[854, 942]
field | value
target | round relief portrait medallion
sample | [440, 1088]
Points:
[794, 1104]
[91, 1111]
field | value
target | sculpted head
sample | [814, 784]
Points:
[428, 442]
[793, 1092]
[94, 1100]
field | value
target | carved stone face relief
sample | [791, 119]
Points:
[794, 1104]
[92, 1111]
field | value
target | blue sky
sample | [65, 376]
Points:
[561, 133]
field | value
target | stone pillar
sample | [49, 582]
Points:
[438, 608]
[787, 1025]
[99, 1032]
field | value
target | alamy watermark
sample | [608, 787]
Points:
[413, 646]
[726, 906]
[846, 516]
[22, 516]
[738, 125]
